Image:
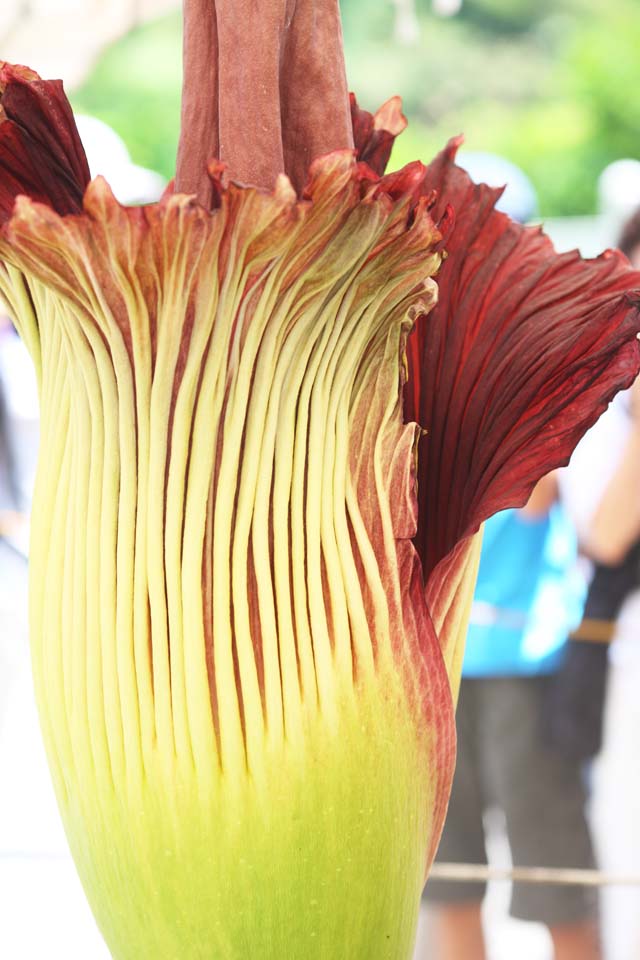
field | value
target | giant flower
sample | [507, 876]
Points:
[246, 625]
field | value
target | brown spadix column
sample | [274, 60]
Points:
[264, 90]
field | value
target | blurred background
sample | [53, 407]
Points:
[543, 91]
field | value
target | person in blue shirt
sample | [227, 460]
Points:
[528, 598]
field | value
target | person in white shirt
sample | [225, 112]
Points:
[601, 489]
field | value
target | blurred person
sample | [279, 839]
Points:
[525, 601]
[601, 488]
[606, 510]
[618, 196]
[574, 720]
[629, 241]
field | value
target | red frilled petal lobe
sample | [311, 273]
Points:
[41, 154]
[374, 134]
[522, 353]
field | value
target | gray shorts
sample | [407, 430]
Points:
[503, 762]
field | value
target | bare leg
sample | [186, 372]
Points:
[576, 941]
[453, 932]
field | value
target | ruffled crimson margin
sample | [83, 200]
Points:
[41, 154]
[521, 355]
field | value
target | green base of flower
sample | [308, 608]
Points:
[326, 860]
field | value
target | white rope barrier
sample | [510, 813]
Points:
[477, 873]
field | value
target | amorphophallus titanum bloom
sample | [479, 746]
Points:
[246, 627]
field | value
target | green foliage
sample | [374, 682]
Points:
[553, 86]
[135, 87]
[508, 16]
[604, 71]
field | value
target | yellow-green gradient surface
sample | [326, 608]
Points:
[246, 712]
